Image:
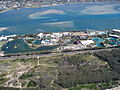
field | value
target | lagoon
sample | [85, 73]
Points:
[19, 45]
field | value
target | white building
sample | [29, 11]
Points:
[9, 37]
[46, 42]
[1, 53]
[40, 35]
[57, 35]
[116, 36]
[87, 42]
[3, 38]
[66, 33]
[116, 30]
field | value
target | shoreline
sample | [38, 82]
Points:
[5, 10]
[57, 5]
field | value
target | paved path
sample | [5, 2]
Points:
[54, 54]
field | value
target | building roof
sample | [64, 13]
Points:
[78, 33]
[40, 34]
[116, 30]
[87, 42]
[116, 36]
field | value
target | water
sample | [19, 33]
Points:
[20, 46]
[97, 16]
[98, 40]
[15, 46]
[113, 41]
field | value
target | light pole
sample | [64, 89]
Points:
[38, 60]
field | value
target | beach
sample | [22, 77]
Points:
[3, 28]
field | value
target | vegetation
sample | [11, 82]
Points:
[2, 80]
[95, 86]
[112, 57]
[31, 84]
[74, 72]
[80, 69]
[25, 76]
[3, 74]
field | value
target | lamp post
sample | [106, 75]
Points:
[38, 60]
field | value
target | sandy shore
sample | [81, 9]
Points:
[3, 28]
[5, 10]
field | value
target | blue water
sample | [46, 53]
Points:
[97, 16]
[113, 41]
[98, 40]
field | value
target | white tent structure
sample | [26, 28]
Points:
[87, 42]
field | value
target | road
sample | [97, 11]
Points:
[55, 54]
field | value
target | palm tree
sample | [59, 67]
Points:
[106, 42]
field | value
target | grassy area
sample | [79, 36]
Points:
[3, 80]
[95, 86]
[86, 86]
[31, 84]
[25, 76]
[3, 74]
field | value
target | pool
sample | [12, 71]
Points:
[112, 41]
[98, 40]
[99, 45]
